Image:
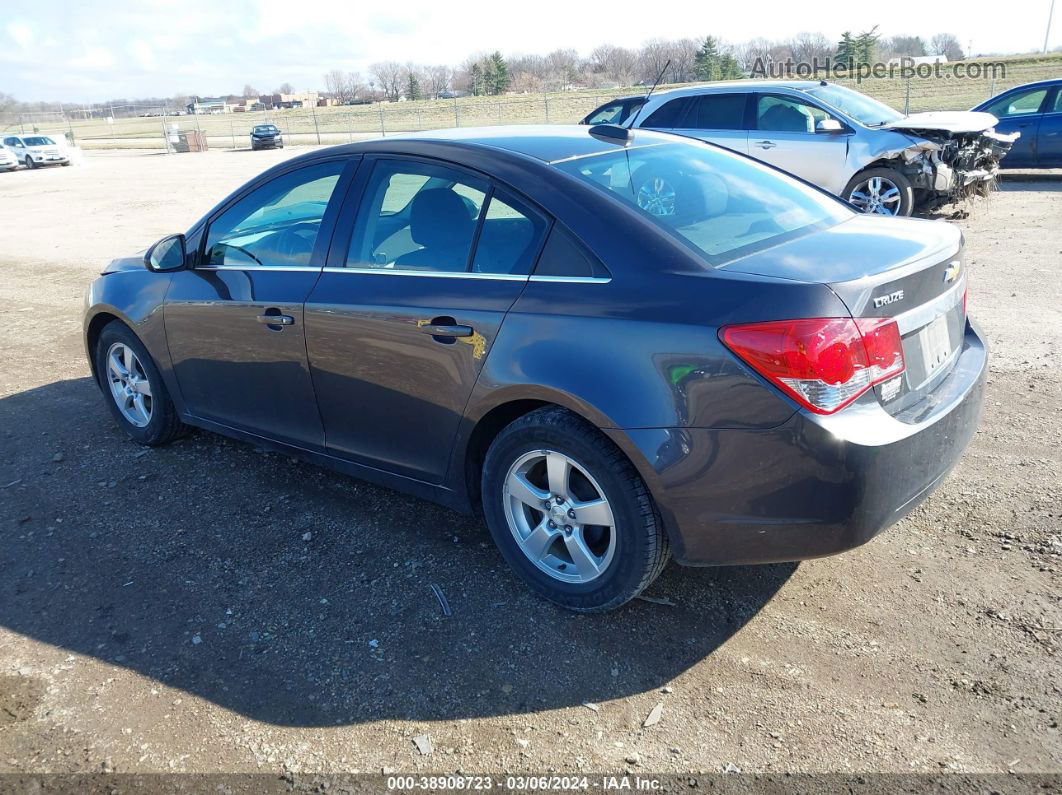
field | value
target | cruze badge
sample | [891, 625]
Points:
[885, 300]
[951, 273]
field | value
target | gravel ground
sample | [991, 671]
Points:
[206, 607]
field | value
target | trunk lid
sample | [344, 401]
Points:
[909, 270]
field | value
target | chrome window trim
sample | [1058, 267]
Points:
[573, 279]
[299, 268]
[505, 277]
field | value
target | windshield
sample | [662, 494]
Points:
[721, 205]
[265, 128]
[860, 107]
[38, 140]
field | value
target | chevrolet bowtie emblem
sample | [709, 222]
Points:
[951, 273]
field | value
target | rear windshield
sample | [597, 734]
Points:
[721, 205]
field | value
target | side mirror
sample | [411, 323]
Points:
[166, 255]
[828, 126]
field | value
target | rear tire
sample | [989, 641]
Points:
[568, 552]
[880, 191]
[133, 381]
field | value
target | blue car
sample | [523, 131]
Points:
[1035, 111]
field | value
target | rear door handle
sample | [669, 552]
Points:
[276, 320]
[766, 144]
[445, 330]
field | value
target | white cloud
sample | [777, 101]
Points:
[21, 33]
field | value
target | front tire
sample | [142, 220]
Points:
[570, 514]
[29, 163]
[880, 191]
[133, 388]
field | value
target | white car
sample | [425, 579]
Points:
[852, 145]
[8, 161]
[35, 150]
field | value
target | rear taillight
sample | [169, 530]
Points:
[822, 363]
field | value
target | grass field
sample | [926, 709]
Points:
[341, 124]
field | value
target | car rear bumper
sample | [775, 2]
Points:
[814, 486]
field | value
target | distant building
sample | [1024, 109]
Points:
[201, 105]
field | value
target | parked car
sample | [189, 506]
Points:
[852, 145]
[35, 150]
[266, 136]
[1035, 111]
[8, 161]
[620, 352]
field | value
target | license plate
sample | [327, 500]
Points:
[936, 344]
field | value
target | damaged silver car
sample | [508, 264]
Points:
[854, 146]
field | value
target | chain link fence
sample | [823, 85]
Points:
[343, 124]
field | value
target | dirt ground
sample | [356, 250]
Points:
[208, 607]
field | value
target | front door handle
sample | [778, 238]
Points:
[277, 320]
[447, 330]
[766, 144]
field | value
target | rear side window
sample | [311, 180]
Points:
[510, 237]
[717, 112]
[563, 255]
[670, 114]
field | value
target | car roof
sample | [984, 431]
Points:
[740, 85]
[548, 143]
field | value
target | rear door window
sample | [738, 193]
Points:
[777, 113]
[717, 112]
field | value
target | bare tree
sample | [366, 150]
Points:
[617, 64]
[285, 88]
[946, 44]
[355, 85]
[336, 84]
[905, 45]
[438, 79]
[250, 91]
[810, 47]
[749, 52]
[388, 76]
[652, 58]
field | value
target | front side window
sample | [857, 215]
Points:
[275, 225]
[860, 107]
[785, 114]
[1017, 104]
[717, 112]
[423, 217]
[719, 204]
[610, 114]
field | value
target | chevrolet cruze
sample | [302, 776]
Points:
[622, 347]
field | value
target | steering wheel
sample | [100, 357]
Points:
[295, 242]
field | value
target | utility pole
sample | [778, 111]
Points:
[1047, 33]
[313, 110]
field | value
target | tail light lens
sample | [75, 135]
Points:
[822, 363]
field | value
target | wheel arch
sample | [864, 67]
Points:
[94, 327]
[481, 427]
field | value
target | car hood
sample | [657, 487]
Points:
[851, 250]
[131, 263]
[952, 121]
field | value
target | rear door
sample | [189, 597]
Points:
[1021, 112]
[234, 321]
[784, 135]
[417, 286]
[718, 118]
[1049, 133]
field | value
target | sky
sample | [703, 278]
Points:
[94, 51]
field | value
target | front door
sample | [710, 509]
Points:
[401, 322]
[234, 322]
[1020, 112]
[785, 136]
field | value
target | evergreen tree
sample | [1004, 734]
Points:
[476, 73]
[498, 73]
[706, 62]
[729, 68]
[413, 86]
[865, 46]
[846, 50]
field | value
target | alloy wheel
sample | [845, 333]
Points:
[657, 197]
[877, 196]
[130, 386]
[559, 516]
